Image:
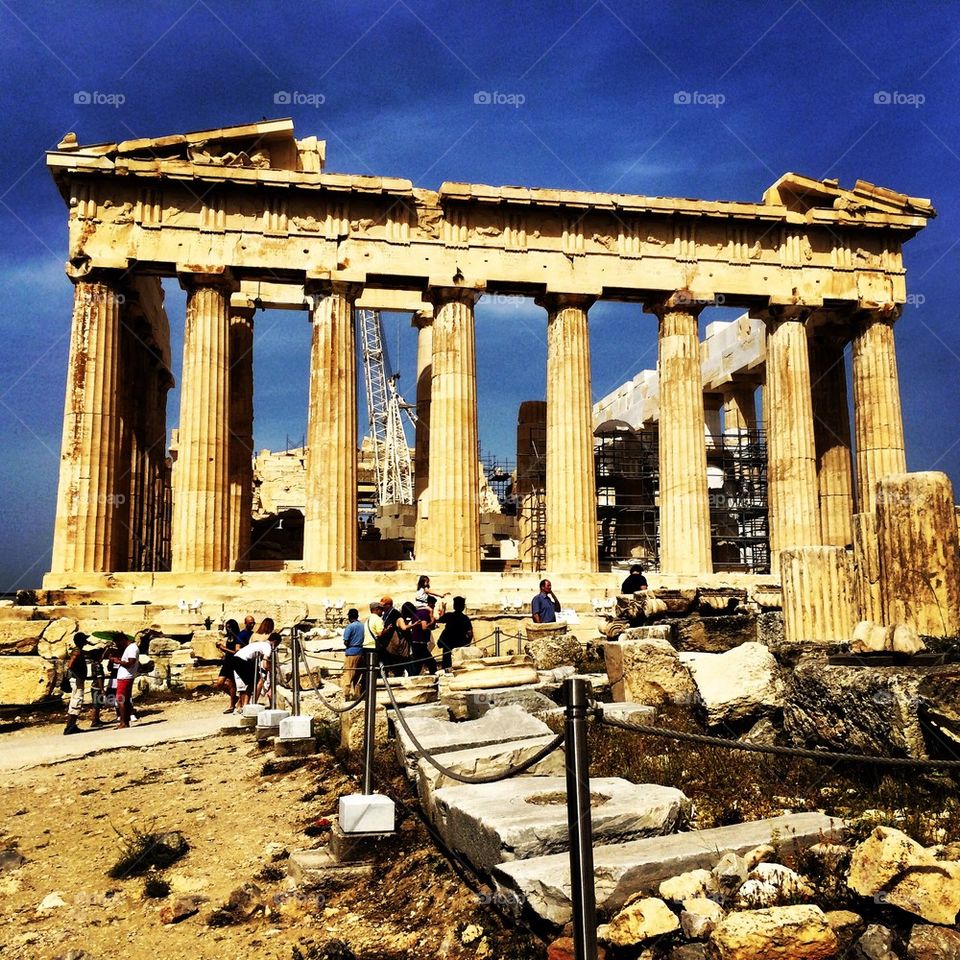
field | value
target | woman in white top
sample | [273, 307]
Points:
[424, 591]
[262, 644]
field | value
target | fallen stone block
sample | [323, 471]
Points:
[527, 816]
[643, 667]
[499, 725]
[488, 760]
[21, 637]
[738, 684]
[800, 932]
[307, 867]
[635, 712]
[478, 702]
[621, 870]
[551, 646]
[482, 674]
[641, 920]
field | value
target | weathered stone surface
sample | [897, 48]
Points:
[628, 868]
[204, 645]
[551, 645]
[779, 933]
[698, 634]
[877, 943]
[528, 699]
[772, 885]
[730, 872]
[819, 605]
[699, 917]
[847, 925]
[639, 921]
[25, 680]
[491, 673]
[499, 725]
[770, 629]
[871, 710]
[643, 667]
[488, 760]
[890, 865]
[635, 712]
[57, 639]
[687, 886]
[527, 816]
[933, 943]
[736, 685]
[21, 636]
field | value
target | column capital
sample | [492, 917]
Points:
[553, 301]
[874, 313]
[422, 319]
[678, 301]
[191, 277]
[317, 287]
[776, 313]
[440, 295]
[87, 273]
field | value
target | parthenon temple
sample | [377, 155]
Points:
[247, 216]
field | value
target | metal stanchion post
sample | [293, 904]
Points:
[256, 679]
[579, 820]
[273, 677]
[295, 672]
[496, 640]
[370, 722]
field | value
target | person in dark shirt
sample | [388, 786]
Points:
[76, 677]
[231, 644]
[457, 631]
[635, 582]
[244, 635]
[421, 659]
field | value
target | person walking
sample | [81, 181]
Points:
[353, 634]
[545, 605]
[76, 678]
[457, 631]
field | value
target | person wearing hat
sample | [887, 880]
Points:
[76, 676]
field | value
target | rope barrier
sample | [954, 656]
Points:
[332, 707]
[798, 752]
[511, 771]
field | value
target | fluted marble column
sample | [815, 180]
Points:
[684, 508]
[831, 432]
[453, 529]
[571, 500]
[792, 492]
[330, 522]
[739, 407]
[85, 539]
[201, 495]
[878, 421]
[421, 476]
[241, 434]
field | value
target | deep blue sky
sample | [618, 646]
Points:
[397, 81]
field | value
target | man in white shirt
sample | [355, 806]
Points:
[244, 664]
[127, 664]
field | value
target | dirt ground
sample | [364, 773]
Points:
[241, 813]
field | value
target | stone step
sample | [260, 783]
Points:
[527, 816]
[499, 725]
[621, 870]
[493, 758]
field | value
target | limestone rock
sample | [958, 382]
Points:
[20, 636]
[643, 667]
[527, 698]
[870, 637]
[180, 909]
[204, 645]
[563, 949]
[770, 629]
[730, 873]
[876, 944]
[25, 680]
[933, 943]
[57, 639]
[772, 885]
[552, 648]
[492, 673]
[699, 917]
[778, 933]
[871, 710]
[639, 921]
[163, 646]
[52, 901]
[847, 925]
[736, 685]
[698, 634]
[906, 639]
[689, 951]
[890, 865]
[688, 886]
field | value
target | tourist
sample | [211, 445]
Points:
[393, 644]
[353, 634]
[457, 631]
[421, 659]
[545, 605]
[244, 635]
[372, 628]
[127, 664]
[76, 677]
[98, 687]
[635, 582]
[424, 592]
[231, 644]
[243, 661]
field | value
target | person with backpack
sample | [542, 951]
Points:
[74, 680]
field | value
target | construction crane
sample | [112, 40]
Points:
[393, 469]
